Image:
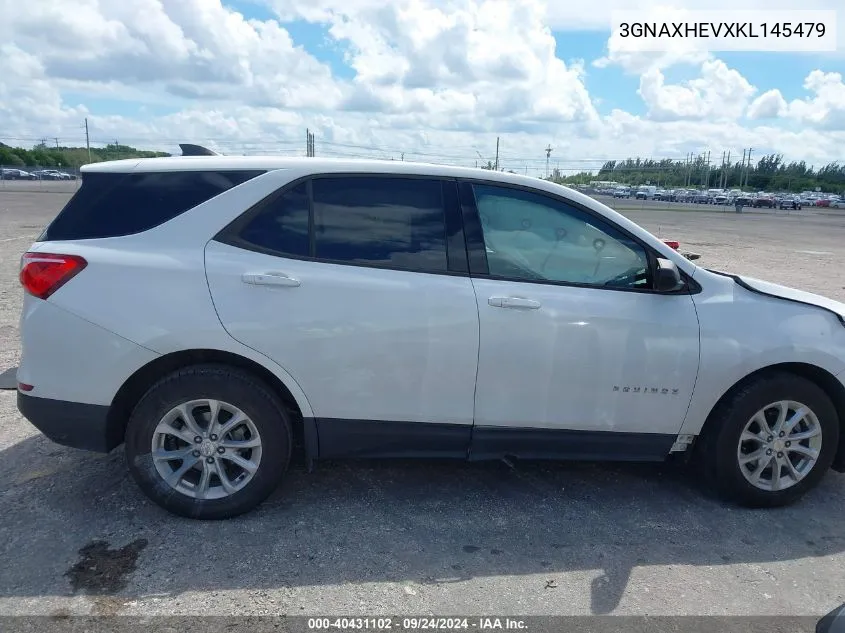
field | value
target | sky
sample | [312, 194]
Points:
[427, 80]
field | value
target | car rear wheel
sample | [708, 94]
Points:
[770, 441]
[208, 442]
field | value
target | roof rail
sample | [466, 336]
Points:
[189, 149]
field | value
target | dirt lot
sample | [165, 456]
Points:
[76, 536]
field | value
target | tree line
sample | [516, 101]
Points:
[769, 173]
[68, 157]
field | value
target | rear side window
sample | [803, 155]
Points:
[363, 220]
[117, 204]
[280, 223]
[395, 222]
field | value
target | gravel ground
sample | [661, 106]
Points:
[77, 537]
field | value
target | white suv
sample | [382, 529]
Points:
[218, 313]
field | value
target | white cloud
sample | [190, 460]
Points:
[188, 48]
[621, 53]
[719, 93]
[768, 105]
[28, 99]
[826, 109]
[436, 79]
[486, 59]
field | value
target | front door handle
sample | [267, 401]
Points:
[270, 279]
[514, 302]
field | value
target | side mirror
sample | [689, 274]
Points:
[667, 277]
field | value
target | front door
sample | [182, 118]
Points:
[348, 284]
[578, 356]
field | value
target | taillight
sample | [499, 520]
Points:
[44, 273]
[672, 244]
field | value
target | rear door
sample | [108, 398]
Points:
[358, 286]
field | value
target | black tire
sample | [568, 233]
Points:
[717, 450]
[227, 384]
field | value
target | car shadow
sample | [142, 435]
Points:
[72, 521]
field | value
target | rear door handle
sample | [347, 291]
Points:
[514, 302]
[270, 279]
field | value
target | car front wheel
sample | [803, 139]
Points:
[208, 442]
[771, 441]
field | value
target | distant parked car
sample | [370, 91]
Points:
[52, 174]
[17, 174]
[823, 202]
[789, 202]
[764, 201]
[45, 174]
[645, 192]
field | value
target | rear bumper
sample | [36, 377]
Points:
[72, 424]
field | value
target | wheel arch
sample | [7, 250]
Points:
[304, 427]
[821, 377]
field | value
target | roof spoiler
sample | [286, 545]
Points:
[189, 149]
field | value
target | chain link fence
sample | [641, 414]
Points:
[35, 179]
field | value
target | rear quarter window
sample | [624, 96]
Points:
[118, 204]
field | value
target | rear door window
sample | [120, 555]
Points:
[117, 204]
[280, 224]
[378, 221]
[390, 222]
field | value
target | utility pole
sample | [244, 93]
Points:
[402, 156]
[727, 167]
[57, 143]
[750, 149]
[496, 165]
[701, 160]
[87, 140]
[742, 169]
[548, 151]
[309, 144]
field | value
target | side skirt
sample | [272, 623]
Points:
[376, 438]
[491, 442]
[331, 438]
